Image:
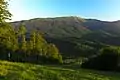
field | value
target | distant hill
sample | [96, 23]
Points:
[68, 32]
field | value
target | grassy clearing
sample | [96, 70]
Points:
[26, 71]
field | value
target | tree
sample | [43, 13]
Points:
[22, 30]
[4, 12]
[22, 38]
[8, 40]
[40, 43]
[108, 59]
[15, 43]
[4, 15]
[53, 54]
[32, 42]
[23, 46]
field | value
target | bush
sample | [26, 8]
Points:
[108, 59]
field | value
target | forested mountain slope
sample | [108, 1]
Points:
[70, 32]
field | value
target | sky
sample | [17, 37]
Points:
[106, 10]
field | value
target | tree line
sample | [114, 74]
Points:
[108, 58]
[16, 46]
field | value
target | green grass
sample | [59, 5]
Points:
[26, 71]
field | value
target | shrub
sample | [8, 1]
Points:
[108, 59]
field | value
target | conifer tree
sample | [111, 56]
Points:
[22, 30]
[23, 44]
[39, 43]
[31, 42]
[53, 53]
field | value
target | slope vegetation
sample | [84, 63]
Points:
[26, 71]
[67, 33]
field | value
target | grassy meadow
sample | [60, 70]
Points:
[27, 71]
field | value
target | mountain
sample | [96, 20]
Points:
[68, 33]
[103, 31]
[108, 27]
[55, 27]
[69, 26]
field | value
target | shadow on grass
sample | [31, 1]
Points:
[2, 78]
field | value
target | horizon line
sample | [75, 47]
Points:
[63, 17]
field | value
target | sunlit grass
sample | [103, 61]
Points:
[26, 71]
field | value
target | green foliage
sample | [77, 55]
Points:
[40, 43]
[33, 49]
[40, 48]
[23, 46]
[108, 59]
[110, 50]
[22, 37]
[25, 71]
[4, 12]
[53, 54]
[64, 31]
[22, 30]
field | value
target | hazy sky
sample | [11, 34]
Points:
[97, 9]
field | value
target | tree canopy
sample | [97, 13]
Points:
[15, 45]
[4, 12]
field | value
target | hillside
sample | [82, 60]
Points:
[69, 26]
[70, 32]
[25, 71]
[55, 27]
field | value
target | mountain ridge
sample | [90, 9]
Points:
[73, 31]
[67, 17]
